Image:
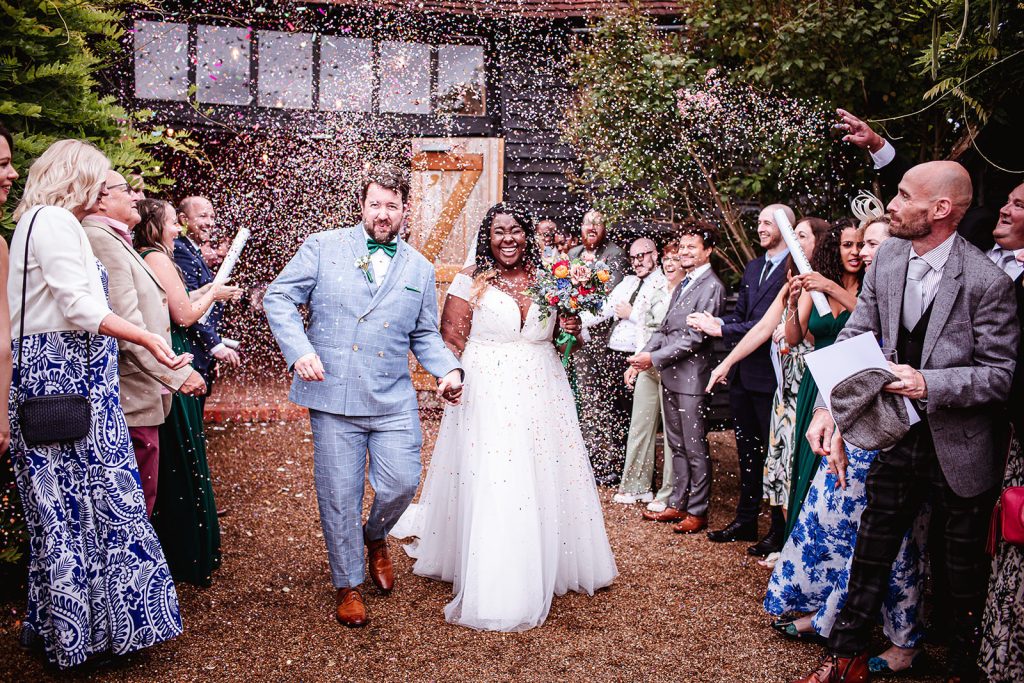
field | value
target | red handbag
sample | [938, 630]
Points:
[1009, 514]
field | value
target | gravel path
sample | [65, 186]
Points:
[682, 609]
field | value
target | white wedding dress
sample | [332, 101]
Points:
[509, 511]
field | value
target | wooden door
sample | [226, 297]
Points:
[454, 182]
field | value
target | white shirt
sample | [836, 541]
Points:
[63, 290]
[380, 261]
[885, 154]
[936, 258]
[650, 309]
[1007, 260]
[623, 336]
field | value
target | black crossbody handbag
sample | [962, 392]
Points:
[56, 418]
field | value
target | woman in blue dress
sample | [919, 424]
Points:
[98, 582]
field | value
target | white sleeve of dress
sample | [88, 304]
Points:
[57, 244]
[461, 286]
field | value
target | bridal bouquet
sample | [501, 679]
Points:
[569, 287]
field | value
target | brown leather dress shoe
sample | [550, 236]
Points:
[382, 572]
[666, 515]
[351, 610]
[691, 525]
[835, 669]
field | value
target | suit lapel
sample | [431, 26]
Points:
[398, 262]
[134, 254]
[945, 297]
[689, 292]
[894, 285]
[357, 245]
[764, 287]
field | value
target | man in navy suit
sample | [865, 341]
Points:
[197, 217]
[752, 381]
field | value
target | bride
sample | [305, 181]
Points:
[509, 511]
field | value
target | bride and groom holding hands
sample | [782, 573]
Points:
[509, 512]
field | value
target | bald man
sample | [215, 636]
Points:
[951, 316]
[752, 383]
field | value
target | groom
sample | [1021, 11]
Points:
[371, 300]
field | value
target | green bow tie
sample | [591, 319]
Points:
[388, 248]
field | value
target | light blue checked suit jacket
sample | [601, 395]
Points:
[362, 331]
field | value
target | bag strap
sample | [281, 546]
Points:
[24, 290]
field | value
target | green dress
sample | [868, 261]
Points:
[185, 514]
[805, 462]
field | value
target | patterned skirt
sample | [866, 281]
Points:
[98, 581]
[1002, 628]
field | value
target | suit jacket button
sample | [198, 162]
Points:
[380, 354]
[387, 324]
[355, 347]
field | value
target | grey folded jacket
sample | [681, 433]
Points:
[867, 416]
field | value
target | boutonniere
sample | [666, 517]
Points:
[363, 263]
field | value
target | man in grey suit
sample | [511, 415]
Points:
[949, 314]
[372, 298]
[683, 356]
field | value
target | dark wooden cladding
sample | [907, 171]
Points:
[521, 8]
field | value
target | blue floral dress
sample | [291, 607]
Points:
[98, 581]
[813, 572]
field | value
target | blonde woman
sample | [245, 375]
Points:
[98, 582]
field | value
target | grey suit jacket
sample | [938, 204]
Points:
[362, 331]
[682, 354]
[616, 259]
[970, 350]
[137, 296]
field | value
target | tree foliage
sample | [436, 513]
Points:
[51, 52]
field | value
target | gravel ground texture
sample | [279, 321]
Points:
[683, 609]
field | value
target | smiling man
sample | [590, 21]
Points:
[372, 299]
[136, 296]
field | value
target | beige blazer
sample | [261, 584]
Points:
[136, 296]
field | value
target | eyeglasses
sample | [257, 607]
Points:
[640, 256]
[125, 186]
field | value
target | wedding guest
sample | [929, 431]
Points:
[604, 403]
[77, 491]
[136, 296]
[802, 589]
[8, 174]
[629, 303]
[838, 272]
[621, 340]
[683, 356]
[875, 232]
[191, 249]
[1002, 631]
[781, 439]
[185, 516]
[956, 335]
[753, 383]
[546, 229]
[565, 239]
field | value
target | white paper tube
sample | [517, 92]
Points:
[800, 260]
[224, 272]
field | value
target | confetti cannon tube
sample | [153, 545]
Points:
[224, 272]
[800, 259]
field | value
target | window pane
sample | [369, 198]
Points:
[346, 74]
[222, 69]
[404, 78]
[161, 60]
[460, 80]
[286, 69]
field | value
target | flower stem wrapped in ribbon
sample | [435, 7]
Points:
[568, 287]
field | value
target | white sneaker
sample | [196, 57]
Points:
[645, 497]
[656, 506]
[624, 498]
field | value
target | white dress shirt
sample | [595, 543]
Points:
[380, 260]
[936, 258]
[623, 336]
[64, 291]
[1006, 259]
[885, 154]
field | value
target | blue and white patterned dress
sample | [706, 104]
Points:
[98, 581]
[813, 572]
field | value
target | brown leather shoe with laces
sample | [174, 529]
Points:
[350, 610]
[691, 525]
[381, 571]
[666, 515]
[835, 669]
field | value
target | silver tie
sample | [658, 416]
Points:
[913, 295]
